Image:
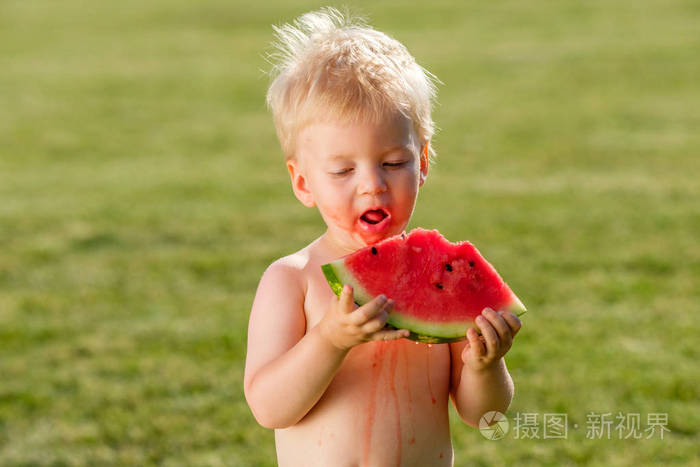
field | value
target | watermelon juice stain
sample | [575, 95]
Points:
[392, 350]
[377, 360]
[392, 387]
[407, 387]
[427, 370]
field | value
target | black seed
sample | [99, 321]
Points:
[438, 285]
[471, 264]
[448, 267]
[374, 251]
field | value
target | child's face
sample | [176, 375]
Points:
[363, 177]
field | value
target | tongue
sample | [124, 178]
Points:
[373, 216]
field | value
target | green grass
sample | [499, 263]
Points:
[142, 194]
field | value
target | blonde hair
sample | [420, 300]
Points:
[334, 66]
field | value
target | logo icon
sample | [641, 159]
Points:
[493, 425]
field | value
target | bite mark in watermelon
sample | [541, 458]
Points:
[438, 287]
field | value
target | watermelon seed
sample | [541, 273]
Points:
[448, 267]
[438, 285]
[471, 264]
[374, 251]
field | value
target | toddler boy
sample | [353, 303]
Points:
[352, 111]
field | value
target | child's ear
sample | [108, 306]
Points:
[424, 165]
[299, 184]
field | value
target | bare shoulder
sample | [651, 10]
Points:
[296, 267]
[282, 293]
[291, 266]
[288, 275]
[279, 307]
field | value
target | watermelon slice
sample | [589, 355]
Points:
[438, 287]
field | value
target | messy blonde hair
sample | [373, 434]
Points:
[327, 65]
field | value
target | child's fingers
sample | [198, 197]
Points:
[513, 322]
[379, 321]
[390, 334]
[501, 327]
[491, 338]
[475, 342]
[346, 299]
[369, 310]
[375, 324]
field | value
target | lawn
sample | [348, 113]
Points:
[143, 193]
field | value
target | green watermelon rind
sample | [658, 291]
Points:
[436, 332]
[420, 330]
[337, 276]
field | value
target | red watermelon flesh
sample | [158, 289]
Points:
[438, 287]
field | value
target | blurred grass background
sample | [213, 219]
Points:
[142, 194]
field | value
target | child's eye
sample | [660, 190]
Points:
[341, 172]
[394, 164]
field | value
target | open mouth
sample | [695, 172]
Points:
[374, 216]
[375, 221]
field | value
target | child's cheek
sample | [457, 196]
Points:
[338, 217]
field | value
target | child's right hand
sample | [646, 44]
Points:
[345, 326]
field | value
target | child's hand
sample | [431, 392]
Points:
[345, 327]
[497, 333]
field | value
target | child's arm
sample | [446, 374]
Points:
[480, 381]
[287, 371]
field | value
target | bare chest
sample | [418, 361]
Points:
[386, 404]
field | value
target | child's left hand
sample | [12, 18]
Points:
[497, 333]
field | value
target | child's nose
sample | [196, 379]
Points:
[372, 182]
